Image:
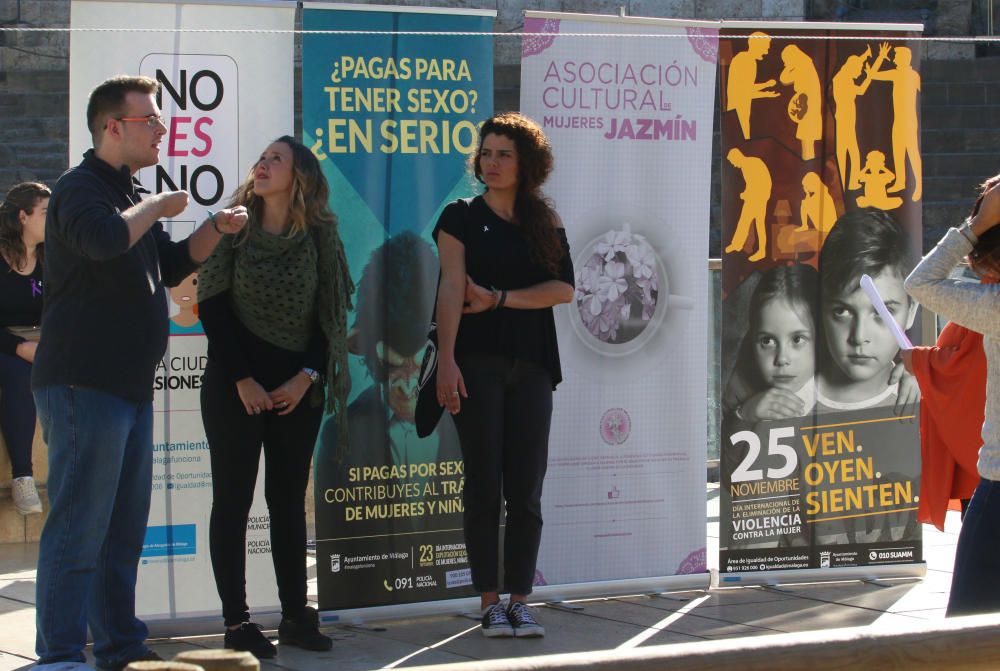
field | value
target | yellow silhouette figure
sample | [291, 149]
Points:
[905, 141]
[846, 90]
[806, 106]
[817, 207]
[876, 179]
[755, 196]
[742, 88]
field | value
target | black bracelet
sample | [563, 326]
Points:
[503, 299]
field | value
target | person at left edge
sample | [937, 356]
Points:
[107, 260]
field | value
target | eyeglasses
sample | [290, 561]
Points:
[152, 120]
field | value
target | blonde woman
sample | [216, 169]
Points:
[273, 300]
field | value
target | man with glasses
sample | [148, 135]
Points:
[107, 260]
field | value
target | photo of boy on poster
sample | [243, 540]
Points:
[819, 437]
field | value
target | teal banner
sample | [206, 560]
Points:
[393, 117]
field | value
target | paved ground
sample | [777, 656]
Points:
[596, 624]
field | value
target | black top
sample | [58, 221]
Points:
[105, 315]
[497, 255]
[20, 303]
[243, 354]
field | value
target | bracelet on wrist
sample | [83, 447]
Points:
[211, 218]
[497, 298]
[503, 299]
[966, 230]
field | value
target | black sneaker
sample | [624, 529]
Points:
[523, 621]
[303, 632]
[149, 656]
[495, 622]
[250, 638]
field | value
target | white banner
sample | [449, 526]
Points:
[630, 121]
[224, 97]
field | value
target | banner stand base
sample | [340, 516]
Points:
[564, 605]
[555, 594]
[862, 573]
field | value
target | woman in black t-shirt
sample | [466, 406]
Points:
[504, 263]
[22, 232]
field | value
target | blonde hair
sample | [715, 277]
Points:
[308, 205]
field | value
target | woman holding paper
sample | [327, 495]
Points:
[22, 232]
[975, 587]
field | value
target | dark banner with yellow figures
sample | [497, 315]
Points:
[392, 114]
[821, 186]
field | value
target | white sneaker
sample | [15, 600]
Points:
[26, 495]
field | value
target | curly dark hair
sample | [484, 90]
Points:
[985, 254]
[21, 197]
[533, 212]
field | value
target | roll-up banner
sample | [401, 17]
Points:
[628, 105]
[821, 186]
[217, 123]
[393, 117]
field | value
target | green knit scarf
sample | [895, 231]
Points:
[278, 285]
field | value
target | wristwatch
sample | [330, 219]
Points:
[313, 375]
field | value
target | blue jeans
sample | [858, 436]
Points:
[100, 475]
[975, 582]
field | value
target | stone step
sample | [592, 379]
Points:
[959, 93]
[961, 71]
[52, 163]
[35, 80]
[33, 104]
[21, 144]
[951, 188]
[506, 76]
[966, 117]
[37, 129]
[506, 100]
[952, 140]
[11, 176]
[939, 217]
[968, 164]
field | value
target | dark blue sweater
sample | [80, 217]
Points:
[104, 320]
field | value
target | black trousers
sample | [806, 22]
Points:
[17, 412]
[235, 439]
[503, 428]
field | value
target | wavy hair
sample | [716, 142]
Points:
[534, 214]
[310, 194]
[985, 254]
[21, 197]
